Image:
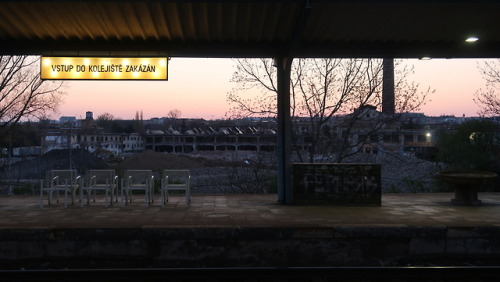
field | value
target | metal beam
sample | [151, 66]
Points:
[285, 190]
[284, 67]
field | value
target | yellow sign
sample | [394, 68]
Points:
[104, 68]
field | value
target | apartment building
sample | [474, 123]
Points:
[410, 134]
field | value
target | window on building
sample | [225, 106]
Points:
[391, 138]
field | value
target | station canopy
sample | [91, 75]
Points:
[257, 28]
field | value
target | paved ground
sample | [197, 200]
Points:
[20, 212]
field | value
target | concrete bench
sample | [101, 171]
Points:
[337, 184]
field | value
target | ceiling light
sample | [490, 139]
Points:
[471, 39]
[425, 58]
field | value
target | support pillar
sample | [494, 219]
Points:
[285, 191]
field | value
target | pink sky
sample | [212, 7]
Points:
[198, 88]
[455, 82]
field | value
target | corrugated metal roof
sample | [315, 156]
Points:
[225, 28]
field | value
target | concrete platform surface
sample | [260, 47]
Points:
[215, 211]
[249, 232]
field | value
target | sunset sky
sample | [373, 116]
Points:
[198, 88]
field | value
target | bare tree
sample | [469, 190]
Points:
[322, 89]
[138, 122]
[22, 93]
[175, 113]
[489, 99]
[105, 120]
[105, 117]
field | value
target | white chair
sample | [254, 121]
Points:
[100, 180]
[137, 180]
[67, 181]
[175, 180]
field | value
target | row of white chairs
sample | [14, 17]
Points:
[69, 182]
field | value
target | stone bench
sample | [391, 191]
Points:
[337, 184]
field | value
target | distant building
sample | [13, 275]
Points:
[69, 122]
[411, 133]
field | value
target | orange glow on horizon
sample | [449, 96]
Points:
[199, 89]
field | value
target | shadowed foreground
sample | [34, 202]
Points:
[250, 233]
